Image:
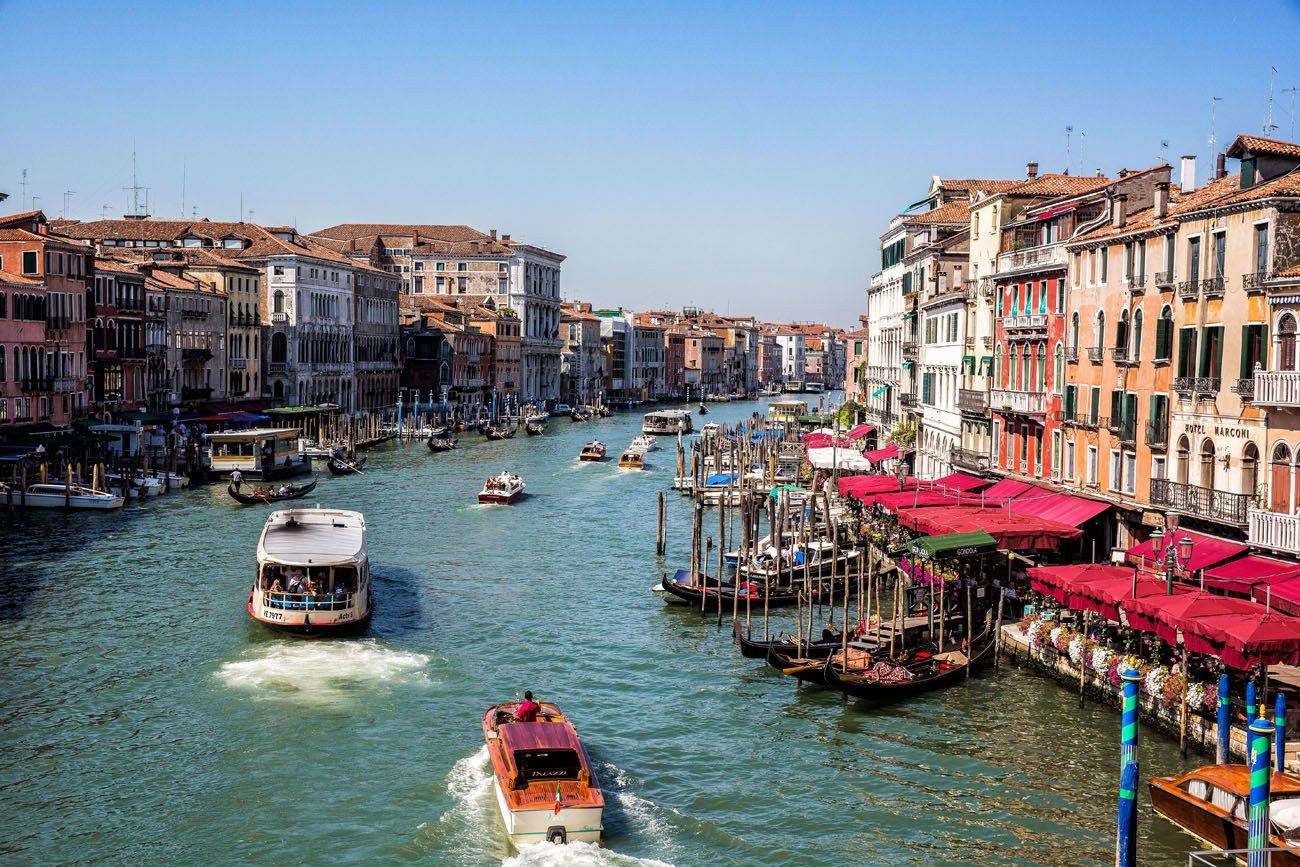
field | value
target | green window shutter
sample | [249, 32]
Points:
[1245, 350]
[1116, 406]
[1071, 397]
[1096, 404]
[1217, 370]
[1130, 407]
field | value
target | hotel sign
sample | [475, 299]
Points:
[1219, 430]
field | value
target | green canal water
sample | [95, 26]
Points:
[147, 720]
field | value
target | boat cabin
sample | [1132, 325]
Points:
[541, 752]
[786, 411]
[313, 571]
[667, 421]
[256, 453]
[632, 459]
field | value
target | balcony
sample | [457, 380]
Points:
[1274, 531]
[1253, 283]
[65, 385]
[278, 318]
[127, 353]
[277, 367]
[1020, 402]
[58, 323]
[969, 459]
[1212, 288]
[1096, 354]
[106, 355]
[37, 383]
[237, 363]
[1245, 389]
[910, 350]
[1137, 284]
[1123, 429]
[907, 400]
[988, 341]
[1031, 259]
[972, 401]
[194, 314]
[970, 289]
[1072, 354]
[1081, 418]
[969, 343]
[1189, 290]
[1158, 434]
[1028, 322]
[1164, 279]
[196, 355]
[1280, 388]
[196, 393]
[1199, 386]
[1198, 502]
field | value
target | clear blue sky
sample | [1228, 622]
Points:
[741, 156]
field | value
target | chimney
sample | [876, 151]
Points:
[505, 237]
[1161, 199]
[1187, 176]
[1221, 166]
[1118, 211]
[493, 233]
[1031, 171]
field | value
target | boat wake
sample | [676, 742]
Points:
[323, 672]
[575, 854]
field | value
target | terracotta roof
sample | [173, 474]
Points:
[25, 216]
[1052, 186]
[1259, 145]
[354, 231]
[474, 247]
[576, 315]
[1286, 186]
[957, 211]
[264, 243]
[24, 235]
[983, 185]
[116, 266]
[860, 332]
[18, 279]
[166, 279]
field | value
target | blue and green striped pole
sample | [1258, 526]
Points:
[1252, 712]
[1128, 741]
[1257, 818]
[1126, 839]
[1279, 733]
[1225, 724]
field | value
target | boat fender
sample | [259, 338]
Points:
[557, 834]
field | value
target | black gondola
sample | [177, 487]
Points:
[751, 649]
[272, 495]
[442, 444]
[534, 429]
[809, 668]
[929, 671]
[704, 410]
[499, 433]
[340, 467]
[438, 433]
[782, 597]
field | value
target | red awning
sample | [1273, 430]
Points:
[1064, 582]
[859, 431]
[1019, 533]
[1283, 595]
[1239, 576]
[1006, 489]
[920, 499]
[1245, 640]
[1166, 615]
[1054, 212]
[825, 441]
[1206, 550]
[1061, 508]
[860, 486]
[889, 451]
[960, 482]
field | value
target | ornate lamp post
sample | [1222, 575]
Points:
[1176, 553]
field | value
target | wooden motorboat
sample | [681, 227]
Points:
[919, 671]
[535, 429]
[666, 422]
[632, 459]
[313, 572]
[56, 495]
[498, 433]
[1211, 803]
[561, 409]
[545, 784]
[261, 496]
[593, 451]
[442, 444]
[139, 486]
[340, 467]
[502, 489]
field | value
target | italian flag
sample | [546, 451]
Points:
[557, 799]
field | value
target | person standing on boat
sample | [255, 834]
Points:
[527, 710]
[236, 479]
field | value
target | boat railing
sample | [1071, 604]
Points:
[286, 601]
[1224, 857]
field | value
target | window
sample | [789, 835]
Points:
[1164, 334]
[1254, 340]
[278, 270]
[1130, 472]
[277, 302]
[462, 266]
[1091, 476]
[1158, 470]
[1170, 242]
[1105, 262]
[1212, 352]
[1041, 368]
[462, 283]
[1100, 342]
[1074, 330]
[440, 284]
[30, 261]
[419, 285]
[1071, 401]
[1187, 352]
[1121, 331]
[1056, 453]
[1136, 353]
[1069, 459]
[1058, 371]
[1060, 296]
[1261, 246]
[1128, 262]
[1286, 332]
[927, 388]
[1095, 414]
[1116, 467]
[502, 285]
[1194, 259]
[1220, 253]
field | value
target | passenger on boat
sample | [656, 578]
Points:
[527, 710]
[276, 586]
[829, 632]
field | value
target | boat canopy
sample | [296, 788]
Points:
[313, 537]
[845, 459]
[722, 479]
[954, 545]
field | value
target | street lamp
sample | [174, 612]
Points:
[900, 472]
[1175, 552]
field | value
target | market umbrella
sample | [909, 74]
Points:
[1166, 615]
[1244, 640]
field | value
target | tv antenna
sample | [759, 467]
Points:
[1269, 126]
[1164, 151]
[1069, 130]
[67, 197]
[1083, 141]
[23, 184]
[1291, 90]
[1214, 139]
[135, 189]
[103, 212]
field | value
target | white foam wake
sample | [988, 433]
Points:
[576, 854]
[320, 672]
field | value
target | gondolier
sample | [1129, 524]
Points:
[236, 479]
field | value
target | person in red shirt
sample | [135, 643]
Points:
[527, 710]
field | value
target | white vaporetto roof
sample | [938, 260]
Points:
[313, 537]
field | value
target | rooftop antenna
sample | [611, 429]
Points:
[1291, 90]
[1269, 126]
[23, 184]
[182, 188]
[241, 206]
[1068, 131]
[1164, 151]
[135, 187]
[1083, 141]
[67, 197]
[103, 212]
[1214, 139]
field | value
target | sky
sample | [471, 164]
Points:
[739, 156]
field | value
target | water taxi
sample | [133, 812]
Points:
[666, 421]
[56, 495]
[632, 459]
[781, 412]
[593, 451]
[502, 489]
[545, 785]
[256, 453]
[645, 443]
[1211, 803]
[561, 409]
[313, 573]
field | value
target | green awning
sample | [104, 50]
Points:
[917, 204]
[294, 410]
[776, 492]
[968, 360]
[907, 365]
[911, 314]
[878, 392]
[954, 545]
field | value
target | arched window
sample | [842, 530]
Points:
[277, 301]
[1181, 468]
[279, 348]
[1041, 368]
[1286, 329]
[1136, 354]
[1025, 370]
[1074, 330]
[1121, 331]
[1249, 469]
[1100, 342]
[1280, 479]
[1058, 372]
[1207, 464]
[2, 364]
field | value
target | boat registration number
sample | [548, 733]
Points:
[272, 615]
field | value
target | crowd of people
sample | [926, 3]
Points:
[293, 586]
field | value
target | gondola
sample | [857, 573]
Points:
[783, 597]
[340, 467]
[704, 410]
[499, 433]
[809, 668]
[751, 649]
[534, 429]
[438, 433]
[255, 499]
[929, 671]
[441, 444]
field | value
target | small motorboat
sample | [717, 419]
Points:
[561, 409]
[645, 443]
[1210, 803]
[498, 433]
[545, 784]
[632, 459]
[535, 429]
[438, 433]
[342, 467]
[536, 418]
[260, 496]
[57, 495]
[442, 444]
[502, 489]
[139, 486]
[704, 410]
[309, 448]
[593, 451]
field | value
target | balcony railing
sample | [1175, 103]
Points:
[1034, 257]
[988, 341]
[969, 459]
[1245, 389]
[1137, 283]
[1120, 355]
[1212, 287]
[1158, 434]
[197, 355]
[1274, 531]
[279, 317]
[237, 363]
[37, 383]
[1277, 388]
[65, 384]
[196, 392]
[1023, 402]
[1095, 354]
[1255, 282]
[1207, 503]
[277, 367]
[1072, 354]
[1124, 429]
[972, 401]
[910, 349]
[1188, 290]
[194, 314]
[58, 323]
[969, 289]
[1081, 418]
[1025, 322]
[969, 342]
[1164, 279]
[1197, 385]
[908, 400]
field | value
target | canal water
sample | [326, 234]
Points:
[146, 719]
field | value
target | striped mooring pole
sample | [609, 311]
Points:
[1129, 719]
[1257, 817]
[1279, 733]
[1126, 820]
[1252, 709]
[1225, 725]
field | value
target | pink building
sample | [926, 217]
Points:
[24, 391]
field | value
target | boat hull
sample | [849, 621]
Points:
[57, 501]
[534, 825]
[310, 623]
[1210, 825]
[499, 499]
